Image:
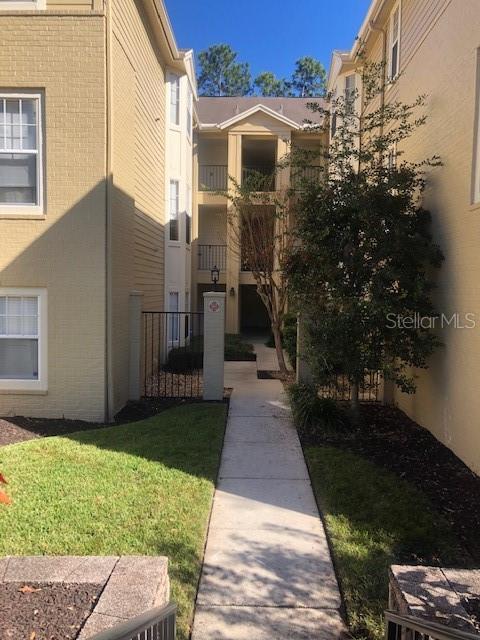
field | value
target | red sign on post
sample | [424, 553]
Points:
[213, 307]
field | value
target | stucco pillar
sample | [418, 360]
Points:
[283, 175]
[135, 353]
[233, 247]
[213, 345]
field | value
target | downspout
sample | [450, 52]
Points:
[108, 215]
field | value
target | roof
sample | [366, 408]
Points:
[222, 110]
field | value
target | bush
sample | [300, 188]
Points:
[237, 349]
[313, 414]
[184, 360]
[290, 338]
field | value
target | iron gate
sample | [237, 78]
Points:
[172, 354]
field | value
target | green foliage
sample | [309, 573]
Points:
[267, 84]
[184, 359]
[221, 74]
[308, 79]
[137, 489]
[365, 254]
[312, 413]
[374, 519]
[290, 337]
[238, 350]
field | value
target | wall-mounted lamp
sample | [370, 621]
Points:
[215, 275]
[232, 292]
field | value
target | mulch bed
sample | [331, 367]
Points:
[390, 439]
[45, 611]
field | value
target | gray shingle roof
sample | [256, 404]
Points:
[216, 110]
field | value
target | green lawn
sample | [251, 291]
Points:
[139, 488]
[374, 519]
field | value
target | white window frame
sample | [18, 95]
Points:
[18, 5]
[394, 39]
[15, 208]
[41, 384]
[175, 82]
[170, 210]
[350, 94]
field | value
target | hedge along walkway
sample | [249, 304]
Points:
[267, 571]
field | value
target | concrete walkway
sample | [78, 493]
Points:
[267, 572]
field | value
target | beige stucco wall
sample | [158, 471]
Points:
[64, 251]
[138, 164]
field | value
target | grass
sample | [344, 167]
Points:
[374, 519]
[139, 488]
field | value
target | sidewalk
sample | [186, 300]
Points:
[267, 572]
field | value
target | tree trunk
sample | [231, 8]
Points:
[278, 348]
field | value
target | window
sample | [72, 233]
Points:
[394, 43]
[350, 93]
[188, 216]
[174, 208]
[20, 153]
[174, 100]
[23, 339]
[173, 318]
[22, 4]
[391, 159]
[189, 113]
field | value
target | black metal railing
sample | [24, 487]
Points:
[155, 624]
[301, 176]
[406, 627]
[338, 387]
[212, 255]
[172, 354]
[263, 176]
[212, 177]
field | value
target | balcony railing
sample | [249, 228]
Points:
[212, 177]
[300, 176]
[156, 624]
[212, 255]
[407, 627]
[261, 175]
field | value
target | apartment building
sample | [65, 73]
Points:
[432, 47]
[238, 137]
[87, 89]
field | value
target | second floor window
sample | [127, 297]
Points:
[20, 152]
[174, 232]
[350, 93]
[174, 100]
[394, 43]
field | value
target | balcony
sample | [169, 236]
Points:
[212, 255]
[212, 177]
[260, 176]
[301, 176]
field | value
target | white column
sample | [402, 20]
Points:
[213, 344]
[135, 354]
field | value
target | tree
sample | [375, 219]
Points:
[259, 224]
[221, 74]
[271, 86]
[309, 76]
[365, 257]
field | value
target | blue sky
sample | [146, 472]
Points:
[270, 34]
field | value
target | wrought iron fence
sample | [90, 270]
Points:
[406, 627]
[212, 255]
[212, 177]
[172, 354]
[156, 624]
[339, 388]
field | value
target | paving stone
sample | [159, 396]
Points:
[277, 565]
[243, 503]
[93, 570]
[266, 623]
[261, 429]
[41, 568]
[136, 584]
[263, 460]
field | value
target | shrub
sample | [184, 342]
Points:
[237, 349]
[313, 414]
[290, 338]
[184, 360]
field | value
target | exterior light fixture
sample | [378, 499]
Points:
[232, 292]
[215, 275]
